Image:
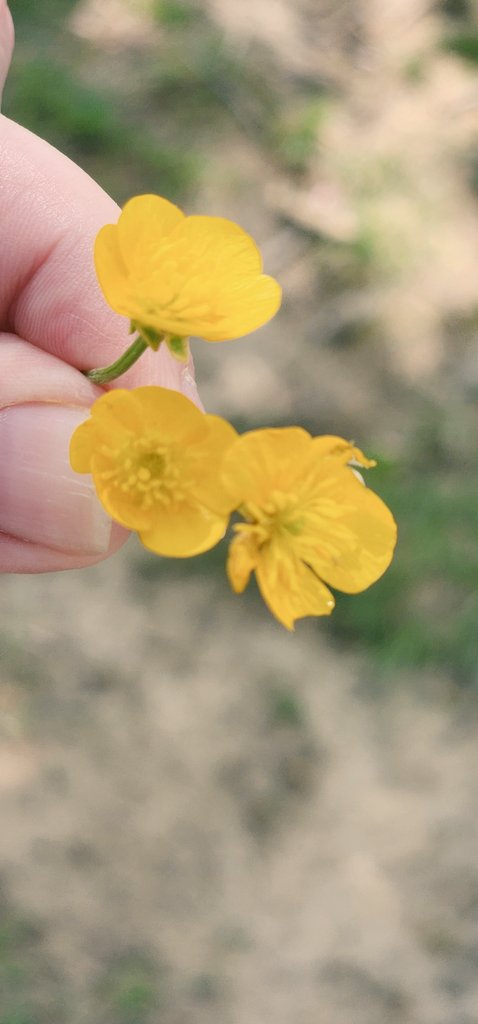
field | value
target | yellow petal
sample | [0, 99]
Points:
[227, 245]
[145, 222]
[110, 268]
[121, 507]
[82, 447]
[214, 312]
[355, 547]
[242, 559]
[183, 530]
[265, 460]
[343, 450]
[204, 463]
[173, 415]
[252, 306]
[290, 588]
[116, 414]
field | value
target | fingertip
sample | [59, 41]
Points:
[17, 556]
[42, 500]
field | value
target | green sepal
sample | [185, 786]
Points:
[178, 347]
[148, 334]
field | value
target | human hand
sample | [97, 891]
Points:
[53, 324]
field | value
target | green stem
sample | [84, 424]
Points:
[106, 373]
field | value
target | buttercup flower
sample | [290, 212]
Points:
[155, 461]
[309, 521]
[174, 276]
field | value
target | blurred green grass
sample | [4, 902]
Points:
[423, 612]
[25, 976]
[463, 44]
[129, 989]
[46, 93]
[84, 122]
[132, 990]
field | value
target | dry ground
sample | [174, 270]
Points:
[249, 816]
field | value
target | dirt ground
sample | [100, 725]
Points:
[247, 813]
[204, 819]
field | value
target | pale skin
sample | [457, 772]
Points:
[54, 323]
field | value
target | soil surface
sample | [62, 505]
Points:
[250, 816]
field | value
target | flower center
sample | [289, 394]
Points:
[278, 516]
[151, 466]
[145, 469]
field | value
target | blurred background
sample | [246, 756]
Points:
[205, 820]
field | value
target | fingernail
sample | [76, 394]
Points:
[41, 499]
[189, 388]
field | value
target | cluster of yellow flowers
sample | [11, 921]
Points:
[176, 475]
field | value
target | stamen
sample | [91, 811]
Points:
[142, 467]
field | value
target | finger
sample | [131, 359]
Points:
[6, 43]
[51, 212]
[18, 557]
[50, 517]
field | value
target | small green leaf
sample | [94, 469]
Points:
[149, 335]
[179, 347]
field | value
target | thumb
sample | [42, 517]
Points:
[50, 517]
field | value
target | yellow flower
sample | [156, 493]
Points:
[308, 521]
[155, 461]
[174, 276]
